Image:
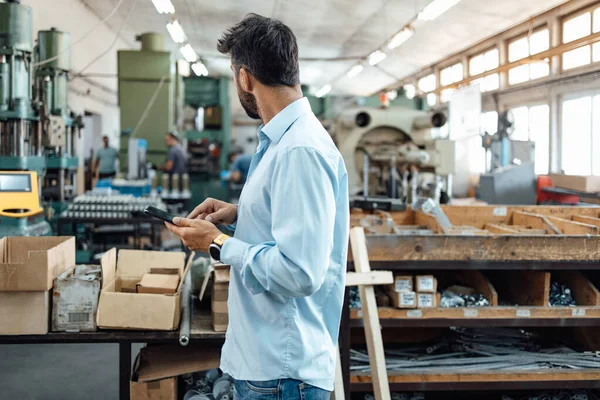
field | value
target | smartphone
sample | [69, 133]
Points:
[160, 214]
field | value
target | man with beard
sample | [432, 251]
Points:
[288, 251]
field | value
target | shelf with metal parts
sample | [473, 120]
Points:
[484, 239]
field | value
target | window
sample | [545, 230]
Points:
[484, 62]
[576, 135]
[489, 122]
[427, 83]
[451, 75]
[446, 95]
[526, 46]
[431, 99]
[533, 123]
[579, 27]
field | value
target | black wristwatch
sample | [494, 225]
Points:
[214, 250]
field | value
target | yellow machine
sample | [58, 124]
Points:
[20, 210]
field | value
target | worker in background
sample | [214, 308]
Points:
[239, 165]
[176, 157]
[106, 161]
[288, 251]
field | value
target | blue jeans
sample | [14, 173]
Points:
[278, 389]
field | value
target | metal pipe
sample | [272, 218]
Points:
[366, 174]
[186, 310]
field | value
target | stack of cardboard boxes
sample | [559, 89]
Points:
[28, 267]
[414, 292]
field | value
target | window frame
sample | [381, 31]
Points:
[592, 8]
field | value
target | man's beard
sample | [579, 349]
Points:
[248, 102]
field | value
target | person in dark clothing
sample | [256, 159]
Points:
[176, 157]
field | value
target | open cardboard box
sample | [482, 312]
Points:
[120, 307]
[30, 264]
[220, 293]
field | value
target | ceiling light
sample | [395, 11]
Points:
[376, 57]
[357, 69]
[401, 37]
[436, 8]
[176, 31]
[323, 91]
[431, 99]
[164, 6]
[188, 53]
[410, 91]
[183, 68]
[392, 95]
[199, 69]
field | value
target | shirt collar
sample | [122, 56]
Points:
[279, 125]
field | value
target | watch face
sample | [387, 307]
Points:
[215, 252]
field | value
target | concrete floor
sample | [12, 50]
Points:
[60, 371]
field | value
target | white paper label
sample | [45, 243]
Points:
[402, 285]
[470, 313]
[407, 299]
[500, 212]
[523, 313]
[414, 314]
[359, 313]
[578, 312]
[425, 283]
[425, 300]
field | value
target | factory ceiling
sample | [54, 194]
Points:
[333, 34]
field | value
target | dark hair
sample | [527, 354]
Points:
[265, 47]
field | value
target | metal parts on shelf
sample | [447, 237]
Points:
[93, 206]
[482, 350]
[557, 395]
[561, 296]
[213, 385]
[456, 296]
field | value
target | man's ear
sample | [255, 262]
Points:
[246, 81]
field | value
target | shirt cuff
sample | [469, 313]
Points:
[233, 252]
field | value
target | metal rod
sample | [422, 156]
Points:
[186, 310]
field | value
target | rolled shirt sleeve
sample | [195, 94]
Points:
[303, 219]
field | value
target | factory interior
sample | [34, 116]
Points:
[470, 226]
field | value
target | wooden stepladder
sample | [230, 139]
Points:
[365, 279]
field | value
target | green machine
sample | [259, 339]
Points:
[61, 126]
[21, 147]
[147, 93]
[208, 148]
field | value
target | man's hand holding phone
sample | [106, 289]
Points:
[215, 211]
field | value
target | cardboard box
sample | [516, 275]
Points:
[403, 283]
[75, 299]
[30, 264]
[120, 307]
[404, 299]
[24, 313]
[590, 184]
[220, 294]
[157, 367]
[427, 300]
[426, 284]
[158, 283]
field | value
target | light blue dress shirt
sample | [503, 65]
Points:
[288, 255]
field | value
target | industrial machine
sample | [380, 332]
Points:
[20, 210]
[21, 147]
[392, 156]
[61, 126]
[510, 178]
[505, 151]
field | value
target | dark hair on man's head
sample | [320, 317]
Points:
[265, 47]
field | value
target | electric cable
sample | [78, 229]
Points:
[113, 42]
[88, 33]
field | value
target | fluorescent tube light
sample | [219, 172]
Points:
[188, 53]
[176, 31]
[323, 91]
[376, 57]
[354, 71]
[401, 37]
[436, 8]
[200, 69]
[164, 6]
